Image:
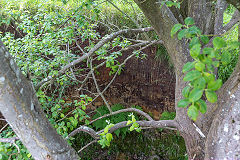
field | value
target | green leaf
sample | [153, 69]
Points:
[169, 3]
[210, 68]
[226, 57]
[131, 128]
[117, 132]
[195, 94]
[175, 29]
[133, 119]
[209, 51]
[216, 63]
[194, 30]
[84, 107]
[211, 96]
[202, 106]
[192, 75]
[186, 91]
[188, 66]
[218, 43]
[234, 45]
[199, 83]
[106, 129]
[194, 41]
[215, 85]
[109, 137]
[200, 66]
[204, 39]
[208, 77]
[136, 125]
[189, 21]
[138, 130]
[128, 122]
[182, 34]
[193, 112]
[195, 50]
[183, 103]
[207, 60]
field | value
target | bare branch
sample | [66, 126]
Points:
[3, 127]
[125, 110]
[9, 140]
[85, 129]
[94, 141]
[98, 90]
[92, 50]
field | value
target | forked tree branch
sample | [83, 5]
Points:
[146, 124]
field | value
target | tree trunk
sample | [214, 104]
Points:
[216, 134]
[20, 107]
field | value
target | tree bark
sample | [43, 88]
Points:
[20, 107]
[205, 138]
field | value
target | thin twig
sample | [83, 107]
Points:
[98, 90]
[3, 127]
[94, 141]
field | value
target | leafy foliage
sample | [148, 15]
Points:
[105, 137]
[200, 73]
[100, 124]
[9, 151]
[134, 124]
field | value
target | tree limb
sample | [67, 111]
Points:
[85, 129]
[9, 140]
[150, 124]
[124, 110]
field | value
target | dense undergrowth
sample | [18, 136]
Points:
[45, 35]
